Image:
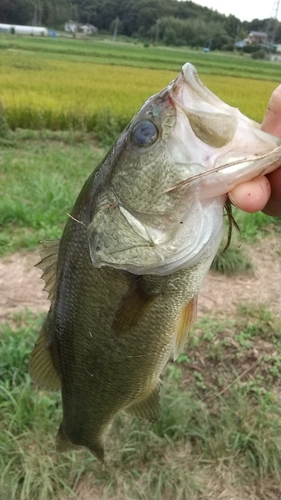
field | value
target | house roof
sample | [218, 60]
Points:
[258, 33]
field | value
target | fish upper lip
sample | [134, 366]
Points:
[188, 81]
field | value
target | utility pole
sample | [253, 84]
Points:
[115, 29]
[271, 28]
[157, 31]
[34, 20]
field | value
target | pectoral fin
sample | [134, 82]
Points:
[41, 366]
[186, 320]
[147, 408]
[133, 306]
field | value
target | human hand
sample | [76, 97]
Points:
[264, 192]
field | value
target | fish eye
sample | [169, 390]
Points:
[144, 134]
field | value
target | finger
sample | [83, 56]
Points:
[272, 120]
[273, 207]
[251, 196]
[272, 124]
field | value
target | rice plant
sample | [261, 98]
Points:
[44, 91]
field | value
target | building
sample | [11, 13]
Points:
[71, 27]
[257, 38]
[15, 29]
[88, 29]
[254, 38]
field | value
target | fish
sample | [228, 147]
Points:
[124, 278]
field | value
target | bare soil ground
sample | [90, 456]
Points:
[21, 286]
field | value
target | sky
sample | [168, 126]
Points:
[245, 10]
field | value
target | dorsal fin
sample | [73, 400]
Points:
[186, 320]
[48, 264]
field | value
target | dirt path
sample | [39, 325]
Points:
[224, 293]
[21, 286]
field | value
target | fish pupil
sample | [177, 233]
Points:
[144, 133]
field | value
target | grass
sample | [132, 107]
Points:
[102, 51]
[255, 226]
[219, 431]
[232, 261]
[40, 180]
[252, 228]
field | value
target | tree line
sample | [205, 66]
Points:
[166, 21]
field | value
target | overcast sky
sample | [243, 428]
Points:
[245, 10]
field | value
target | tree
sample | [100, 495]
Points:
[54, 14]
[16, 12]
[232, 25]
[220, 39]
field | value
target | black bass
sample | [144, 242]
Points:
[123, 280]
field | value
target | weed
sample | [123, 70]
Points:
[40, 181]
[4, 129]
[255, 226]
[232, 261]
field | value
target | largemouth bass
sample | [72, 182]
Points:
[123, 280]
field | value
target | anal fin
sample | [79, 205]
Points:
[186, 320]
[147, 408]
[41, 366]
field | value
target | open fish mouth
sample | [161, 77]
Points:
[240, 155]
